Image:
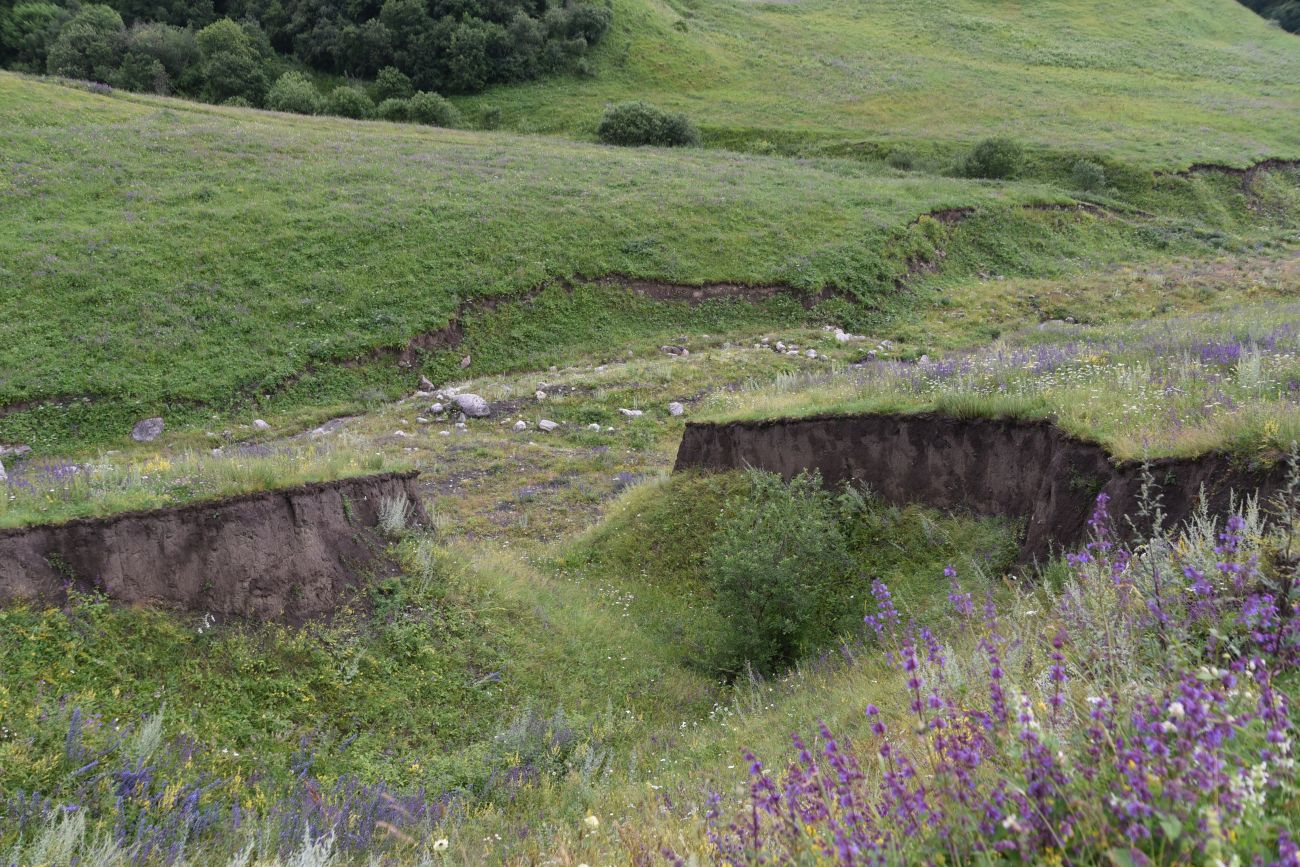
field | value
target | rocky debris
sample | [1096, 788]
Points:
[426, 385]
[14, 451]
[521, 425]
[400, 433]
[842, 336]
[547, 425]
[464, 362]
[675, 350]
[419, 419]
[436, 408]
[472, 405]
[460, 419]
[539, 394]
[260, 424]
[147, 430]
[812, 353]
[593, 426]
[631, 413]
[675, 408]
[445, 433]
[4, 477]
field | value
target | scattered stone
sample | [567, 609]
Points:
[14, 451]
[147, 431]
[426, 385]
[445, 433]
[260, 424]
[675, 350]
[547, 425]
[812, 353]
[593, 426]
[472, 405]
[924, 359]
[539, 394]
[632, 413]
[842, 336]
[792, 352]
[216, 453]
[886, 344]
[464, 362]
[436, 408]
[460, 419]
[676, 408]
[780, 346]
[400, 433]
[460, 425]
[4, 477]
[521, 425]
[419, 419]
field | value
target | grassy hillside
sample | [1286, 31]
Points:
[1168, 84]
[183, 259]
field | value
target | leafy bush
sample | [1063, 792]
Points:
[392, 83]
[141, 73]
[350, 102]
[28, 31]
[294, 92]
[90, 46]
[1088, 176]
[394, 110]
[780, 569]
[230, 64]
[238, 102]
[639, 123]
[433, 109]
[994, 158]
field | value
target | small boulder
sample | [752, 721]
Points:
[419, 419]
[260, 424]
[14, 451]
[472, 405]
[632, 413]
[521, 425]
[426, 385]
[812, 353]
[147, 430]
[593, 426]
[436, 408]
[4, 477]
[547, 425]
[539, 394]
[464, 362]
[676, 408]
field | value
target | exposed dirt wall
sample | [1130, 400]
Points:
[1005, 467]
[292, 553]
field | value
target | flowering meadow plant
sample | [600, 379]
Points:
[1141, 717]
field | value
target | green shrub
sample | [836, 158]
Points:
[238, 102]
[294, 92]
[781, 571]
[638, 123]
[392, 83]
[394, 109]
[1088, 176]
[994, 158]
[90, 46]
[140, 73]
[231, 64]
[350, 102]
[432, 109]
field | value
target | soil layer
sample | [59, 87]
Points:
[1026, 470]
[291, 554]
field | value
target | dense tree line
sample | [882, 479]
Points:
[221, 50]
[1284, 12]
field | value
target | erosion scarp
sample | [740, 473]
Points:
[1027, 470]
[291, 553]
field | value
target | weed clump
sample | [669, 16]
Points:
[633, 124]
[294, 92]
[350, 102]
[994, 159]
[1088, 176]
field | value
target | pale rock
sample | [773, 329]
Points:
[676, 408]
[426, 385]
[419, 419]
[260, 424]
[521, 425]
[436, 408]
[4, 477]
[147, 430]
[472, 405]
[593, 426]
[547, 425]
[812, 353]
[539, 394]
[631, 413]
[464, 362]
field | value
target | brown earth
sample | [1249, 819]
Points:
[292, 553]
[1026, 470]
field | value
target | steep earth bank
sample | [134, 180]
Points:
[291, 553]
[1028, 470]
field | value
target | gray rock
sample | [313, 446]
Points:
[436, 408]
[812, 353]
[426, 385]
[539, 394]
[593, 426]
[464, 362]
[632, 413]
[521, 425]
[4, 477]
[676, 408]
[259, 424]
[472, 405]
[547, 425]
[147, 431]
[14, 451]
[419, 419]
